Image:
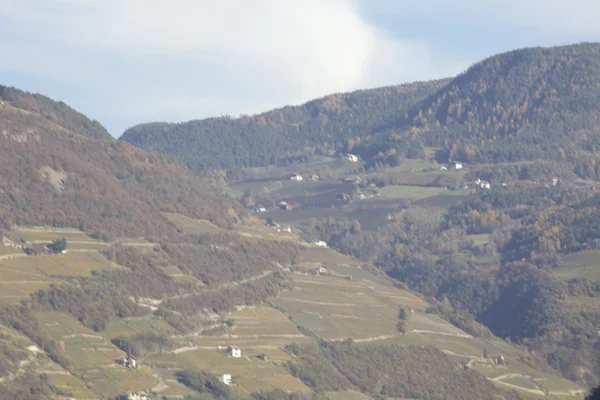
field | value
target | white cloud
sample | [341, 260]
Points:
[557, 17]
[129, 61]
[183, 59]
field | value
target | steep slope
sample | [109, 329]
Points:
[109, 200]
[57, 112]
[54, 175]
[323, 126]
[522, 105]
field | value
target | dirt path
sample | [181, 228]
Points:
[498, 379]
[161, 385]
[461, 335]
[322, 303]
[230, 285]
[12, 255]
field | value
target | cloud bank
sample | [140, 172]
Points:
[126, 62]
[141, 60]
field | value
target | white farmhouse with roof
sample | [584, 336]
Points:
[225, 378]
[458, 165]
[297, 177]
[234, 352]
[351, 157]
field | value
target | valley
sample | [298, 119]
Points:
[432, 240]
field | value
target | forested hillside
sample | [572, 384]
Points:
[528, 104]
[61, 169]
[538, 103]
[324, 126]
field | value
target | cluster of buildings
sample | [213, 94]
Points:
[298, 177]
[457, 166]
[128, 362]
[134, 396]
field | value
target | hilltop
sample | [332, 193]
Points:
[529, 104]
[320, 127]
[62, 169]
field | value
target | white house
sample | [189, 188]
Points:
[351, 157]
[321, 243]
[554, 181]
[225, 378]
[234, 352]
[137, 396]
[458, 165]
[483, 184]
[261, 209]
[297, 177]
[443, 168]
[320, 270]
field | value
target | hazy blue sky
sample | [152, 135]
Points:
[123, 62]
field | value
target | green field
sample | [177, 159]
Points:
[479, 239]
[49, 234]
[193, 226]
[257, 330]
[334, 308]
[347, 395]
[411, 192]
[411, 166]
[111, 382]
[581, 264]
[72, 384]
[70, 264]
[132, 326]
[248, 374]
[94, 358]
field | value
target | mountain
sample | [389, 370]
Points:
[322, 126]
[161, 274]
[523, 105]
[61, 169]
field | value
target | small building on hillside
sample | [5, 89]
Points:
[443, 168]
[134, 396]
[261, 209]
[496, 358]
[284, 205]
[320, 270]
[351, 179]
[351, 157]
[234, 352]
[321, 243]
[225, 378]
[315, 177]
[344, 197]
[297, 177]
[458, 165]
[483, 184]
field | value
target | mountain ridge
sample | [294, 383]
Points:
[324, 119]
[452, 112]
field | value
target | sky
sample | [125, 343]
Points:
[125, 62]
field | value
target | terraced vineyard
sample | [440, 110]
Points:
[346, 301]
